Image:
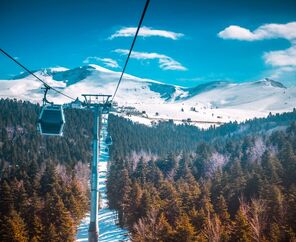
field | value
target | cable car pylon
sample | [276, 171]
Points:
[100, 105]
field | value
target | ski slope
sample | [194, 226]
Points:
[109, 231]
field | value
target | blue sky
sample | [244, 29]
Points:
[183, 42]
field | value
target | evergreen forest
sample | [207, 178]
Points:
[168, 182]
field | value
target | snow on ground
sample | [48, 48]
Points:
[182, 111]
[212, 102]
[109, 231]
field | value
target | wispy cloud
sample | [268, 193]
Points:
[281, 57]
[165, 62]
[266, 31]
[146, 32]
[106, 61]
[283, 62]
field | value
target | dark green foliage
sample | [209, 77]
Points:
[241, 228]
[55, 213]
[184, 230]
[41, 199]
[21, 143]
[167, 138]
[13, 228]
[6, 199]
[168, 182]
[233, 183]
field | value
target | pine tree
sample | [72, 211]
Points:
[291, 215]
[172, 203]
[133, 209]
[241, 230]
[213, 229]
[165, 230]
[32, 171]
[205, 201]
[288, 159]
[80, 197]
[56, 213]
[124, 192]
[21, 200]
[184, 230]
[73, 207]
[275, 232]
[146, 204]
[222, 210]
[49, 180]
[33, 220]
[272, 168]
[50, 234]
[141, 171]
[224, 216]
[37, 229]
[13, 228]
[154, 174]
[6, 199]
[201, 163]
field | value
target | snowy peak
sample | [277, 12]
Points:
[72, 76]
[166, 92]
[217, 101]
[269, 82]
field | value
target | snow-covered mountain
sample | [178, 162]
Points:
[214, 101]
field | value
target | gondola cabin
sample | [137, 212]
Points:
[108, 140]
[51, 120]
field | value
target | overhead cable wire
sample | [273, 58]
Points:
[131, 48]
[30, 72]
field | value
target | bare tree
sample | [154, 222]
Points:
[82, 174]
[62, 173]
[257, 150]
[256, 215]
[146, 229]
[257, 218]
[244, 207]
[216, 161]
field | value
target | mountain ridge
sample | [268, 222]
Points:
[212, 101]
[61, 73]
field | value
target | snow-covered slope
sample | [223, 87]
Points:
[109, 230]
[86, 79]
[213, 101]
[260, 96]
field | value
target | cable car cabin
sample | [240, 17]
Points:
[51, 120]
[108, 140]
